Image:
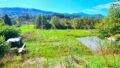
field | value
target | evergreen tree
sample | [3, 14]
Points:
[38, 21]
[7, 20]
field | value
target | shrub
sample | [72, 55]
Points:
[1, 24]
[117, 36]
[4, 47]
[9, 32]
[115, 29]
[104, 33]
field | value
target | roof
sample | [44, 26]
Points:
[14, 39]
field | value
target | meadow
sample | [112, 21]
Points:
[59, 48]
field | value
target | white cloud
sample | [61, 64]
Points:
[97, 9]
[103, 6]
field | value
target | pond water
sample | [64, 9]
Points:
[91, 42]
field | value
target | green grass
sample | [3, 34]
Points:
[99, 61]
[59, 46]
[50, 44]
[24, 28]
[74, 33]
[89, 61]
[60, 32]
[52, 48]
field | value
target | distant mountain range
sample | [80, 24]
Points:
[20, 11]
[23, 11]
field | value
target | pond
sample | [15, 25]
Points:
[91, 42]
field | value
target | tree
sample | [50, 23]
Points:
[111, 24]
[76, 22]
[114, 14]
[55, 22]
[66, 23]
[45, 22]
[83, 22]
[38, 21]
[42, 22]
[7, 20]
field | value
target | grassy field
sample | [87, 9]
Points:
[54, 43]
[52, 48]
[60, 32]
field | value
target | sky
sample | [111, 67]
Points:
[62, 6]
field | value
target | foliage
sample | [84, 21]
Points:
[7, 20]
[111, 24]
[2, 24]
[38, 22]
[84, 22]
[1, 21]
[9, 32]
[117, 36]
[66, 23]
[55, 22]
[41, 22]
[3, 47]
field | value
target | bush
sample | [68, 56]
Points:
[117, 36]
[115, 29]
[4, 47]
[9, 32]
[110, 31]
[104, 33]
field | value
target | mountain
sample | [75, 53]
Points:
[81, 14]
[21, 11]
[85, 14]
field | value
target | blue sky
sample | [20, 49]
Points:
[62, 6]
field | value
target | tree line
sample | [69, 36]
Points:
[55, 21]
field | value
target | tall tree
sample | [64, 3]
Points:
[114, 10]
[39, 22]
[114, 14]
[111, 24]
[66, 23]
[7, 20]
[55, 22]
